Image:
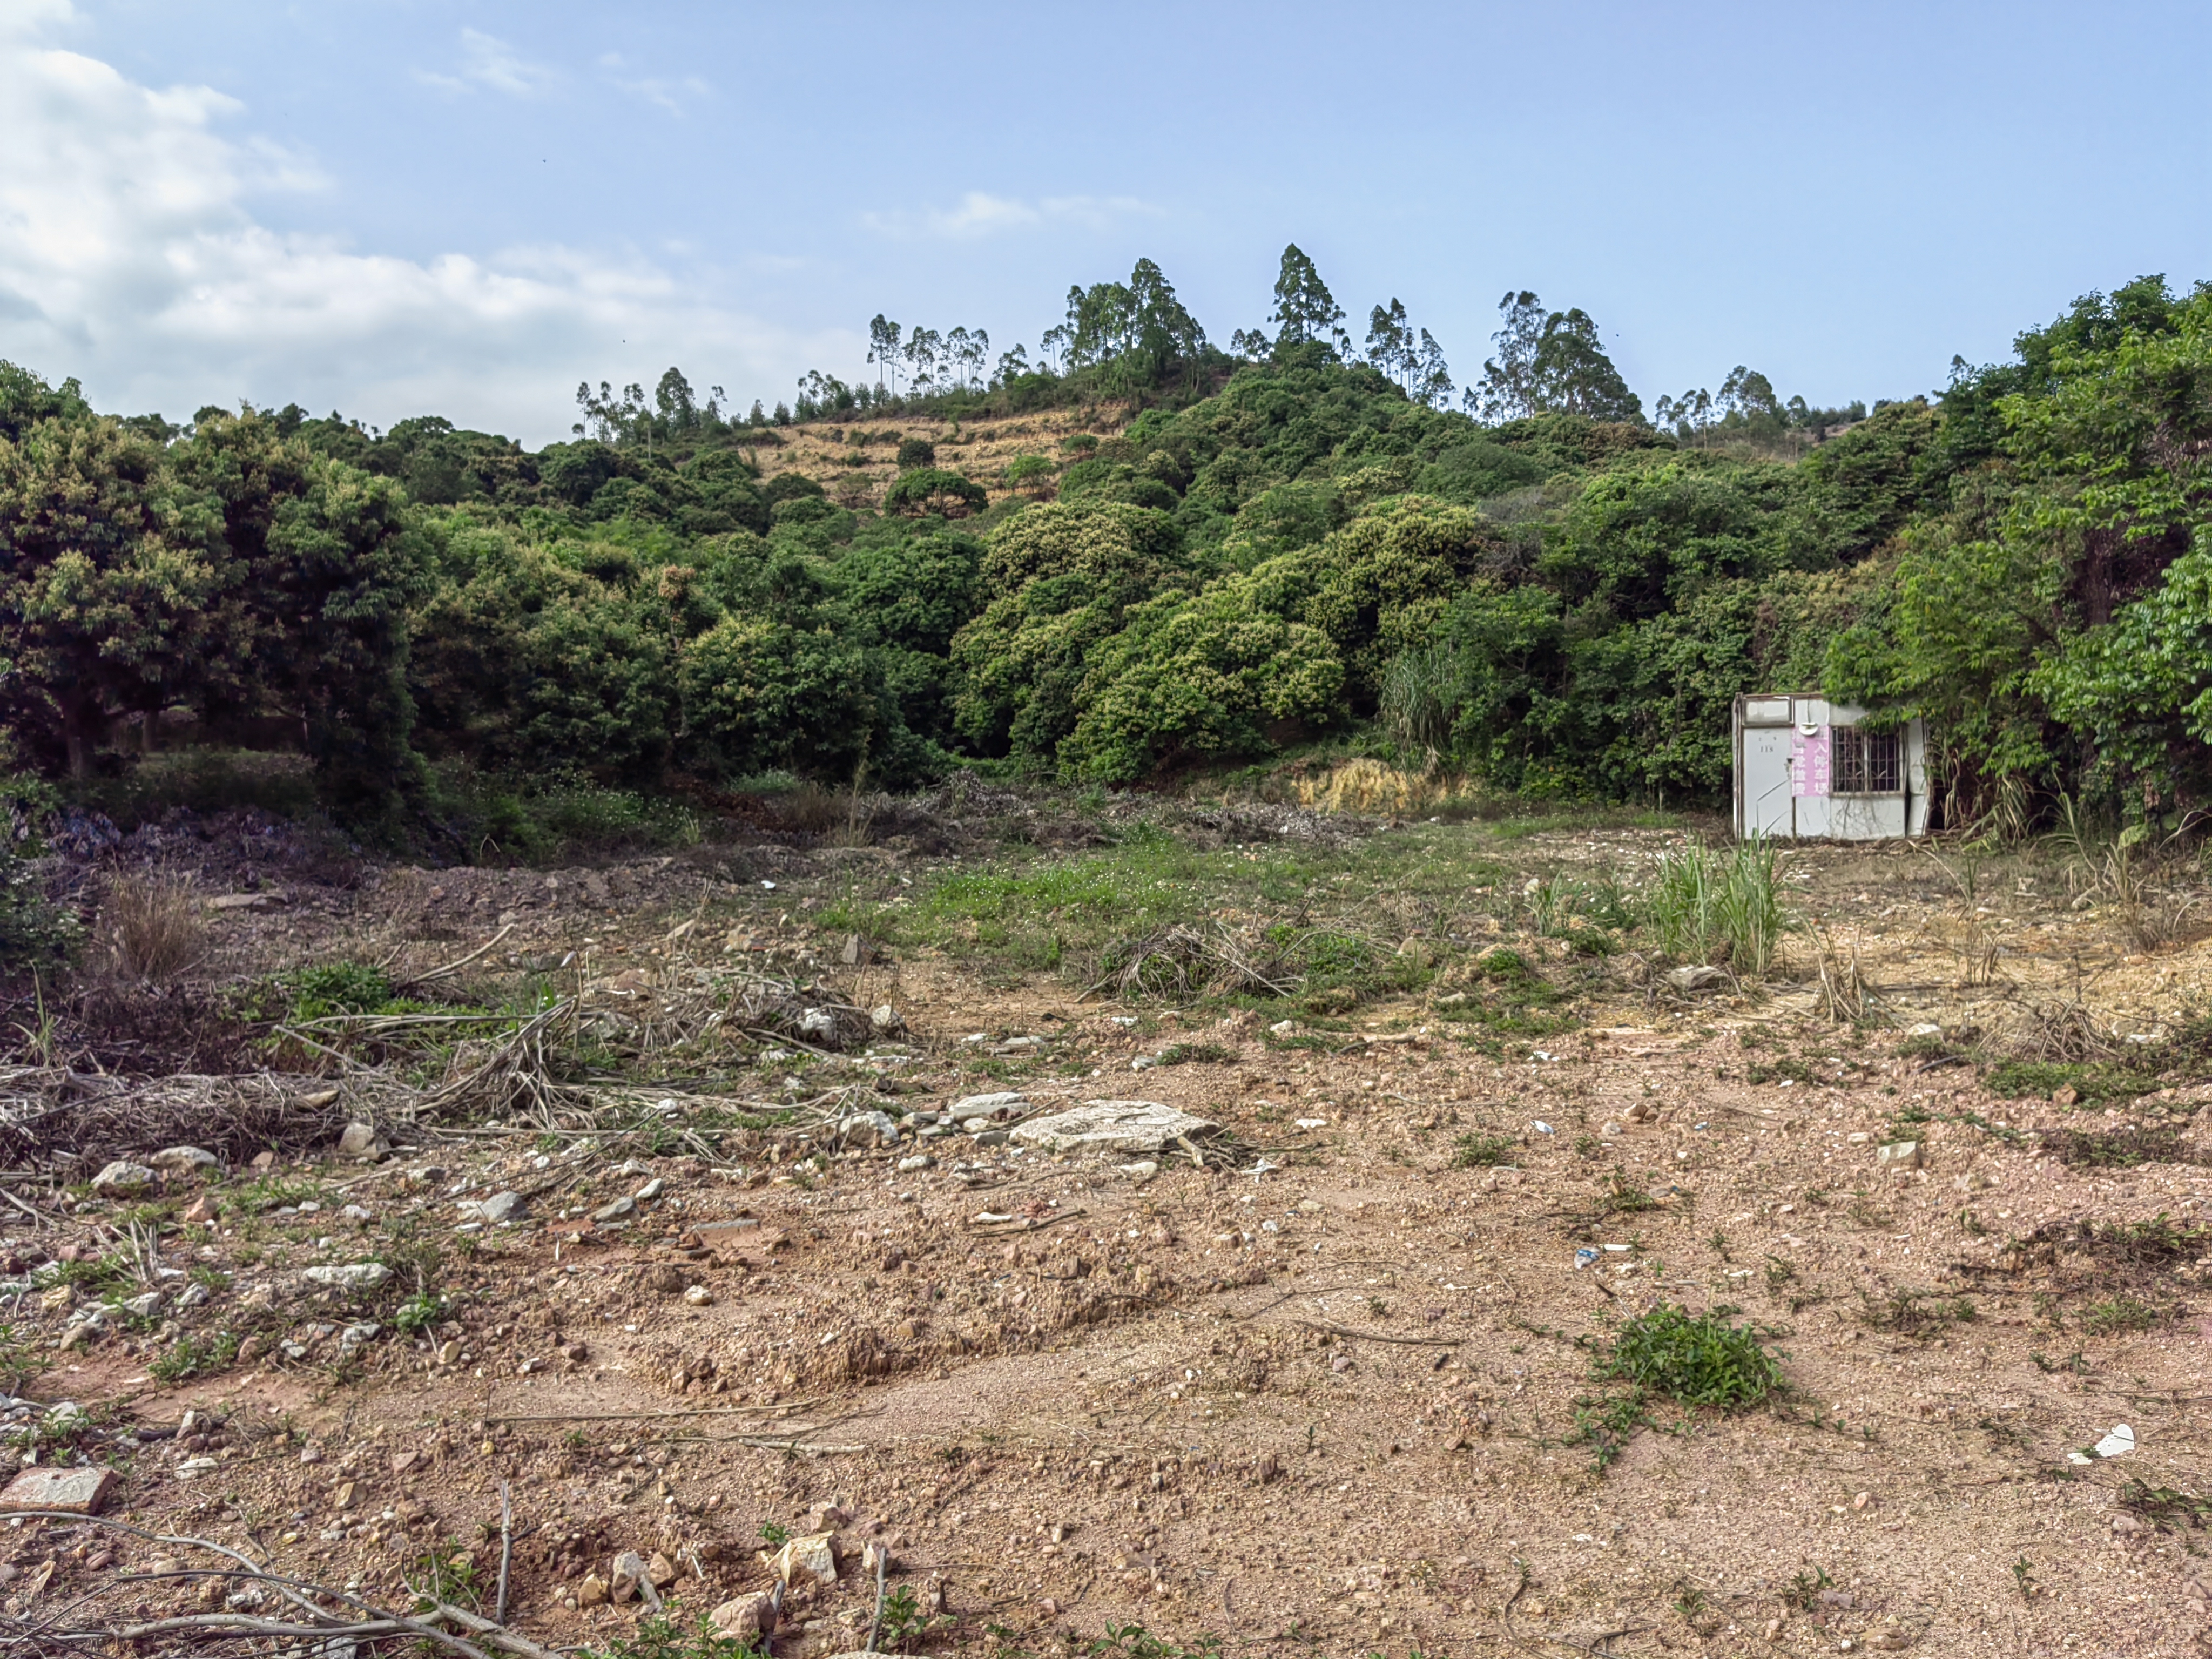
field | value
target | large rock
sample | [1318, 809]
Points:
[362, 1143]
[1113, 1126]
[124, 1179]
[743, 1616]
[809, 1559]
[184, 1160]
[75, 1491]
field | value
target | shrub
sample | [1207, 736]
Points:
[35, 933]
[915, 452]
[1700, 1360]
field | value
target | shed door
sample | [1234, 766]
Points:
[1766, 777]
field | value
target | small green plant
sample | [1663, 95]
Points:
[191, 1356]
[1190, 1054]
[1135, 1642]
[2023, 1579]
[1482, 1151]
[445, 1573]
[1778, 1271]
[1697, 1360]
[663, 1634]
[419, 1312]
[2119, 1315]
[905, 1620]
[1691, 1605]
[1802, 1593]
[775, 1534]
[1377, 1308]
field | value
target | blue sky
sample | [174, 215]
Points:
[394, 207]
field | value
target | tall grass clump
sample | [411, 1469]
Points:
[153, 925]
[1422, 693]
[1716, 907]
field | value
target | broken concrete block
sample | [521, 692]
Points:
[77, 1491]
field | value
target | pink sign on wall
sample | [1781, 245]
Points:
[1808, 761]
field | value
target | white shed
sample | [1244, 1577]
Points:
[1806, 769]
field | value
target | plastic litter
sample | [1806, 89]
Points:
[1540, 1126]
[1583, 1257]
[2118, 1443]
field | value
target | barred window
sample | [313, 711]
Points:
[1867, 762]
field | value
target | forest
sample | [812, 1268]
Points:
[1210, 557]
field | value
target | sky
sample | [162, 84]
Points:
[398, 207]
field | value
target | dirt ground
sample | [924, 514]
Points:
[1321, 1382]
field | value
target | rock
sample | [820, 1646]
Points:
[497, 1210]
[998, 1106]
[665, 1277]
[1899, 1155]
[1284, 1027]
[347, 1491]
[661, 1571]
[875, 1557]
[744, 1617]
[1889, 1641]
[194, 1295]
[1694, 979]
[885, 1018]
[357, 1277]
[354, 1335]
[593, 1592]
[251, 1349]
[2066, 1096]
[1310, 1207]
[651, 1190]
[75, 1491]
[615, 1211]
[809, 1559]
[699, 1296]
[868, 1129]
[817, 1025]
[246, 902]
[145, 1306]
[264, 1162]
[919, 1161]
[992, 1137]
[124, 1179]
[361, 1144]
[184, 1160]
[1642, 1112]
[1112, 1125]
[632, 1576]
[202, 1211]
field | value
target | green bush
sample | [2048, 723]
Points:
[915, 452]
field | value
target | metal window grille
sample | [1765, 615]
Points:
[1868, 763]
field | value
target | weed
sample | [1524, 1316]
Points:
[663, 1636]
[1622, 1196]
[1135, 1642]
[905, 1620]
[1482, 1151]
[1802, 1593]
[191, 1356]
[1719, 1245]
[775, 1534]
[1697, 1360]
[1690, 1606]
[2118, 1149]
[419, 1312]
[445, 1573]
[2164, 1506]
[1377, 1308]
[1779, 1271]
[19, 1360]
[1915, 1313]
[2023, 1579]
[2119, 1315]
[1190, 1054]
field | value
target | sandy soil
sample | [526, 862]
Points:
[1321, 1394]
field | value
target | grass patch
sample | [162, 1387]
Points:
[2120, 1316]
[1694, 1360]
[1482, 1151]
[2118, 1149]
[1194, 1054]
[191, 1356]
[1719, 908]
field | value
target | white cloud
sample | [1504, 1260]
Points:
[979, 214]
[662, 92]
[129, 257]
[489, 62]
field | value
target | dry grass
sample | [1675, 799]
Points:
[1369, 787]
[153, 925]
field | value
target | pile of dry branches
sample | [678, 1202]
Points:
[1181, 963]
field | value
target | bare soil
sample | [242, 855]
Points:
[1326, 1390]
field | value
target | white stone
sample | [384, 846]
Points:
[123, 1179]
[1113, 1126]
[357, 1276]
[183, 1159]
